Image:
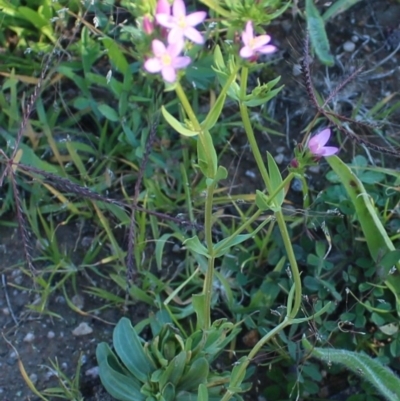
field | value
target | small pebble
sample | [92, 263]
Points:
[51, 335]
[349, 46]
[34, 378]
[279, 158]
[93, 372]
[297, 185]
[249, 173]
[296, 70]
[5, 311]
[82, 330]
[314, 169]
[29, 338]
[78, 301]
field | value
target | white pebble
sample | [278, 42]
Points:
[249, 173]
[34, 378]
[29, 337]
[93, 372]
[296, 71]
[5, 311]
[279, 158]
[349, 46]
[51, 335]
[82, 330]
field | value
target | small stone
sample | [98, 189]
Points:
[314, 169]
[249, 173]
[78, 301]
[51, 335]
[279, 158]
[296, 70]
[93, 372]
[5, 311]
[297, 186]
[34, 378]
[349, 46]
[29, 338]
[82, 330]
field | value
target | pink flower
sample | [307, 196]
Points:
[163, 7]
[253, 45]
[180, 24]
[167, 59]
[317, 143]
[147, 25]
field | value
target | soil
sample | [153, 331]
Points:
[38, 340]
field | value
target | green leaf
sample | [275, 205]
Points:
[319, 39]
[115, 55]
[176, 125]
[215, 112]
[108, 112]
[174, 371]
[276, 181]
[262, 93]
[117, 384]
[196, 246]
[381, 377]
[202, 394]
[129, 348]
[196, 375]
[378, 241]
[207, 156]
[338, 7]
[198, 301]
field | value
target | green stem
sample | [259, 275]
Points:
[208, 214]
[279, 214]
[253, 353]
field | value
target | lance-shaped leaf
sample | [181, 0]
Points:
[319, 39]
[381, 377]
[378, 241]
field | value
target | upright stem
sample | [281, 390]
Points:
[208, 220]
[279, 214]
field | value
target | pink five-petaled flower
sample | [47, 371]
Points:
[317, 143]
[253, 45]
[180, 24]
[167, 59]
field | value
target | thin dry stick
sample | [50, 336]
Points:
[4, 283]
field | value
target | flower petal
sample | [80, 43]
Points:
[175, 48]
[194, 35]
[175, 35]
[181, 62]
[179, 8]
[247, 34]
[246, 52]
[164, 20]
[329, 151]
[168, 73]
[152, 65]
[196, 18]
[267, 49]
[322, 137]
[158, 47]
[261, 40]
[163, 7]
